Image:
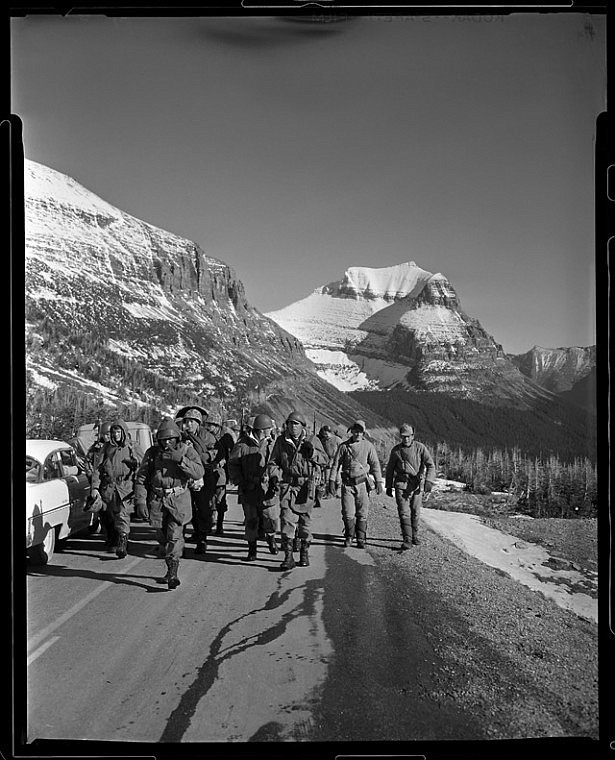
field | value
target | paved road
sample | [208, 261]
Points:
[239, 652]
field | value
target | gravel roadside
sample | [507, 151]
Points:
[524, 664]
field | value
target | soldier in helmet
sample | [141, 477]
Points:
[92, 460]
[247, 464]
[113, 479]
[294, 465]
[161, 491]
[196, 435]
[330, 443]
[357, 459]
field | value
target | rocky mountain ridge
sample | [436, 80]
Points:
[403, 327]
[557, 369]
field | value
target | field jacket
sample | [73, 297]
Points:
[356, 460]
[408, 464]
[247, 465]
[115, 466]
[163, 484]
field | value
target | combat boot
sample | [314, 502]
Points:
[415, 536]
[251, 551]
[289, 561]
[172, 579]
[296, 544]
[201, 547]
[272, 543]
[122, 546]
[220, 524]
[349, 530]
[304, 559]
[361, 533]
[406, 532]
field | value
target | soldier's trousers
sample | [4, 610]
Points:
[255, 514]
[355, 502]
[120, 510]
[292, 521]
[409, 505]
[206, 504]
[173, 534]
[108, 524]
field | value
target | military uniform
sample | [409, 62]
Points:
[295, 464]
[247, 468]
[356, 459]
[113, 477]
[162, 493]
[410, 462]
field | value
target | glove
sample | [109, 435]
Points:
[306, 450]
[379, 488]
[141, 510]
[390, 492]
[130, 462]
[173, 455]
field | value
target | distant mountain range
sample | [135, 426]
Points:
[126, 313]
[569, 372]
[402, 327]
[122, 314]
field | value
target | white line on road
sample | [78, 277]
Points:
[41, 649]
[75, 608]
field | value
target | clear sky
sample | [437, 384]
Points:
[292, 151]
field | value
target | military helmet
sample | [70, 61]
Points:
[167, 429]
[262, 422]
[296, 417]
[104, 428]
[406, 429]
[193, 414]
[213, 418]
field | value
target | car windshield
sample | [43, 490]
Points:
[33, 469]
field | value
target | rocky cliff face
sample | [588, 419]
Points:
[123, 311]
[557, 369]
[402, 327]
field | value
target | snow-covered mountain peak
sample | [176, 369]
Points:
[42, 183]
[386, 283]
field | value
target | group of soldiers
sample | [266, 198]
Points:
[281, 476]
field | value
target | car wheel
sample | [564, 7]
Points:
[41, 554]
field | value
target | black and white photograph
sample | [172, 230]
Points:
[310, 382]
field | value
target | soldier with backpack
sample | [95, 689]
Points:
[162, 493]
[358, 461]
[294, 466]
[410, 462]
[113, 479]
[247, 464]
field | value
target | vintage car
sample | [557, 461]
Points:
[139, 432]
[57, 487]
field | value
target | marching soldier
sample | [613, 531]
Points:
[161, 491]
[357, 459]
[409, 463]
[246, 467]
[113, 479]
[224, 443]
[294, 465]
[204, 443]
[330, 443]
[92, 460]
